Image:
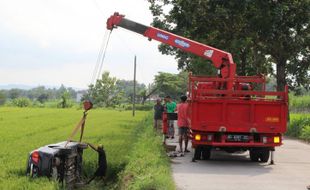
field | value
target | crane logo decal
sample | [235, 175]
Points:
[181, 43]
[162, 36]
[208, 53]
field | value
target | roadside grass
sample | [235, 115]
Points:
[299, 103]
[25, 129]
[299, 126]
[148, 165]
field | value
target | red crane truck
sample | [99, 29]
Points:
[227, 112]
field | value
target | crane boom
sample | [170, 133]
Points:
[221, 60]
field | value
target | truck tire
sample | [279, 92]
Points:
[206, 153]
[254, 156]
[264, 155]
[197, 153]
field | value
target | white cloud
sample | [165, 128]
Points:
[77, 27]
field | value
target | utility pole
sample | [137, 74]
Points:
[134, 88]
[149, 92]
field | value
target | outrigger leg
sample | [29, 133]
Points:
[272, 158]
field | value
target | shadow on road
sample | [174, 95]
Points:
[222, 163]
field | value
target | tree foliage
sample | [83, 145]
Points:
[173, 85]
[105, 92]
[21, 102]
[65, 100]
[126, 86]
[257, 33]
[2, 97]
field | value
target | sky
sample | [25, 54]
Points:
[54, 42]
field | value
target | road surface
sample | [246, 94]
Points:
[236, 172]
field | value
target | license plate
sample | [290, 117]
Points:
[238, 138]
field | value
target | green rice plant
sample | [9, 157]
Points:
[25, 129]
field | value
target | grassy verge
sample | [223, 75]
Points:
[299, 126]
[148, 166]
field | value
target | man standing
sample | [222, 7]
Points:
[158, 112]
[102, 163]
[170, 106]
[182, 110]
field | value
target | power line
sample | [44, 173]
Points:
[103, 55]
[95, 71]
[98, 7]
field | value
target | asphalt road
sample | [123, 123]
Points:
[236, 172]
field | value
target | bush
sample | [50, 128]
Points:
[21, 102]
[299, 103]
[145, 107]
[305, 133]
[299, 126]
[38, 104]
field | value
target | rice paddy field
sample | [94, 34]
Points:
[25, 129]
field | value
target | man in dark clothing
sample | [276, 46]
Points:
[102, 162]
[158, 112]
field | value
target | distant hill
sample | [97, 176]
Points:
[19, 86]
[28, 87]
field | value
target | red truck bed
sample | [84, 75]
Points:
[233, 115]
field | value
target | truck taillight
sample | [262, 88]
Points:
[35, 157]
[276, 139]
[197, 137]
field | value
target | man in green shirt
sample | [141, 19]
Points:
[170, 107]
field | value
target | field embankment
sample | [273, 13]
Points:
[148, 165]
[25, 129]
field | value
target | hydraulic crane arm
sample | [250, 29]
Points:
[220, 59]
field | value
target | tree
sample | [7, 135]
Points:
[105, 93]
[146, 93]
[65, 100]
[14, 93]
[257, 33]
[2, 97]
[173, 85]
[39, 93]
[221, 24]
[284, 30]
[42, 98]
[126, 86]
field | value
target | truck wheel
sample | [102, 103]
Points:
[264, 155]
[197, 154]
[206, 153]
[254, 155]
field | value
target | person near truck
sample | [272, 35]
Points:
[183, 124]
[158, 112]
[170, 108]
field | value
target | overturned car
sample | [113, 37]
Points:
[61, 161]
